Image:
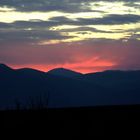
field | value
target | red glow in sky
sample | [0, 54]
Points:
[84, 67]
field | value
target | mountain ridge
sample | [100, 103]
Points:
[64, 72]
[104, 88]
[2, 65]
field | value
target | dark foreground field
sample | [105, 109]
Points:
[87, 123]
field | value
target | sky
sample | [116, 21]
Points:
[81, 35]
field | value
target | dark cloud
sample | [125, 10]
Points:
[45, 5]
[4, 25]
[86, 29]
[38, 30]
[70, 6]
[56, 21]
[133, 4]
[31, 35]
[111, 19]
[34, 24]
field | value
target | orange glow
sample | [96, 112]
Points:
[83, 67]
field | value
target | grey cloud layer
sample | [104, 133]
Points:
[32, 36]
[45, 5]
[55, 5]
[40, 29]
[112, 19]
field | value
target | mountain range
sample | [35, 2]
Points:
[62, 88]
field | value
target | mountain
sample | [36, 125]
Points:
[30, 73]
[6, 73]
[29, 86]
[115, 79]
[20, 85]
[4, 68]
[64, 72]
[66, 88]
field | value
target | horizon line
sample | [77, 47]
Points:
[11, 67]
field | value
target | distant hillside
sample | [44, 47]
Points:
[115, 79]
[64, 72]
[66, 88]
[5, 69]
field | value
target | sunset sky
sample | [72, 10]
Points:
[81, 35]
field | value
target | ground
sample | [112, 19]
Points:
[71, 123]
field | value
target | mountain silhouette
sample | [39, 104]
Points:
[64, 72]
[66, 88]
[30, 73]
[116, 79]
[5, 68]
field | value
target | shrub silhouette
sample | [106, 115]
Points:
[35, 103]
